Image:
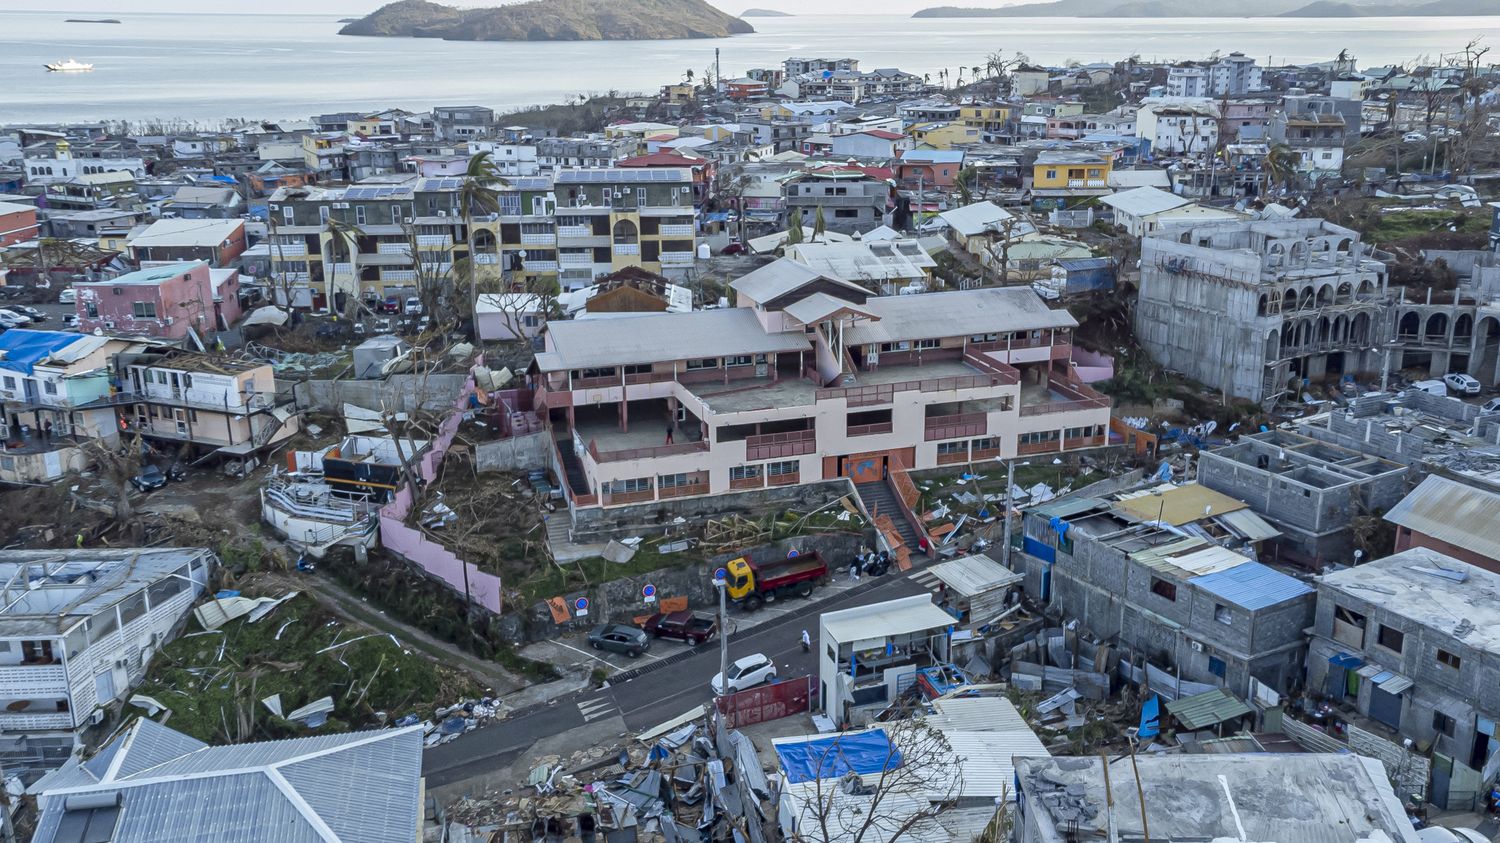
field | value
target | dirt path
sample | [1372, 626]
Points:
[336, 597]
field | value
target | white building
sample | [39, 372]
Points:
[868, 654]
[510, 159]
[1188, 80]
[77, 629]
[1147, 210]
[1187, 126]
[60, 165]
[1233, 75]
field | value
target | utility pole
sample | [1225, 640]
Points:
[1010, 483]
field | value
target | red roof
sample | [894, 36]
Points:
[883, 134]
[661, 159]
[662, 138]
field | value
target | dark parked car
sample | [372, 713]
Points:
[29, 312]
[150, 479]
[619, 639]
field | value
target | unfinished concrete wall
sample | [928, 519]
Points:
[398, 393]
[598, 524]
[518, 453]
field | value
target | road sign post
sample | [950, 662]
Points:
[581, 607]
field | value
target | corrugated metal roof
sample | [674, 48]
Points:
[1252, 586]
[1209, 708]
[957, 313]
[985, 759]
[1248, 524]
[903, 616]
[1068, 507]
[971, 575]
[1453, 512]
[363, 787]
[976, 714]
[655, 337]
[1177, 505]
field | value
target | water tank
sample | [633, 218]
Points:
[703, 251]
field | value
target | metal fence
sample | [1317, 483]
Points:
[768, 702]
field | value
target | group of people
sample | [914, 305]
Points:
[872, 563]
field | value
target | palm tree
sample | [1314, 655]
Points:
[820, 228]
[342, 237]
[1281, 164]
[689, 75]
[479, 191]
[794, 227]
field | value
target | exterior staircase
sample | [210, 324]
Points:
[573, 467]
[880, 500]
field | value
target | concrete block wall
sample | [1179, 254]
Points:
[398, 393]
[596, 524]
[518, 453]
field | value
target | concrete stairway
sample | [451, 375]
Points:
[880, 500]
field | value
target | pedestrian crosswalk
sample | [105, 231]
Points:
[927, 579]
[597, 708]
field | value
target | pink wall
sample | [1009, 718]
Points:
[432, 557]
[18, 227]
[183, 298]
[1092, 367]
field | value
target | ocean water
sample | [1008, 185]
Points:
[205, 67]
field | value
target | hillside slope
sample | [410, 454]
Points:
[551, 20]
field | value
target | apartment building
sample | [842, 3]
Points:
[1408, 645]
[215, 242]
[1187, 80]
[1253, 308]
[1064, 177]
[77, 630]
[1179, 126]
[1234, 75]
[462, 122]
[214, 404]
[166, 301]
[17, 224]
[1317, 139]
[1169, 572]
[50, 385]
[608, 219]
[1451, 517]
[807, 378]
[851, 198]
[592, 151]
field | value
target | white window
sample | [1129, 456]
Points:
[323, 214]
[359, 214]
[778, 469]
[288, 215]
[10, 382]
[49, 387]
[744, 472]
[143, 310]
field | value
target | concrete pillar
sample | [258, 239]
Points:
[624, 416]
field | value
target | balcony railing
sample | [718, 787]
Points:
[982, 454]
[956, 426]
[870, 429]
[952, 457]
[996, 374]
[675, 230]
[700, 488]
[791, 479]
[1077, 396]
[627, 248]
[600, 382]
[538, 239]
[617, 498]
[742, 483]
[645, 453]
[770, 446]
[575, 231]
[1048, 447]
[539, 266]
[573, 260]
[1076, 442]
[676, 258]
[649, 377]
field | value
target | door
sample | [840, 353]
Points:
[176, 385]
[1442, 777]
[104, 686]
[181, 418]
[1385, 706]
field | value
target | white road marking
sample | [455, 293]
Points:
[597, 708]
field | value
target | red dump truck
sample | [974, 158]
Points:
[754, 583]
[682, 626]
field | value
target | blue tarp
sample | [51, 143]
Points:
[1150, 719]
[1345, 661]
[831, 757]
[23, 349]
[1044, 552]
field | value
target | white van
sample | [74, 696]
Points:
[1433, 387]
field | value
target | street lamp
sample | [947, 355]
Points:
[1010, 483]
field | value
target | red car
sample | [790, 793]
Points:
[391, 304]
[733, 249]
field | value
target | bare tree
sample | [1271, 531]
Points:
[920, 781]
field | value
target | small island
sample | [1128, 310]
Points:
[764, 13]
[551, 20]
[90, 20]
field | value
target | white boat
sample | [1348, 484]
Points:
[69, 66]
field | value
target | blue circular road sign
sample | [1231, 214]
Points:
[648, 590]
[581, 604]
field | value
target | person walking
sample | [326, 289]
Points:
[669, 434]
[806, 642]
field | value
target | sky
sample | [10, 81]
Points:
[120, 8]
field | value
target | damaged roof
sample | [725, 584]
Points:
[363, 787]
[1449, 511]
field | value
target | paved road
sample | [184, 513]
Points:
[659, 694]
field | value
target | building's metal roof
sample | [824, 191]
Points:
[976, 714]
[1453, 512]
[182, 233]
[1177, 505]
[49, 591]
[1144, 201]
[657, 337]
[364, 786]
[902, 616]
[1248, 524]
[956, 313]
[783, 276]
[984, 759]
[1252, 586]
[1188, 557]
[976, 574]
[1209, 708]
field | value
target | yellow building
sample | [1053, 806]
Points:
[1063, 177]
[679, 93]
[988, 118]
[944, 135]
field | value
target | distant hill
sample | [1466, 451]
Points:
[551, 20]
[1221, 9]
[764, 13]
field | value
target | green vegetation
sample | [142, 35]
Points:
[214, 682]
[1402, 225]
[551, 20]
